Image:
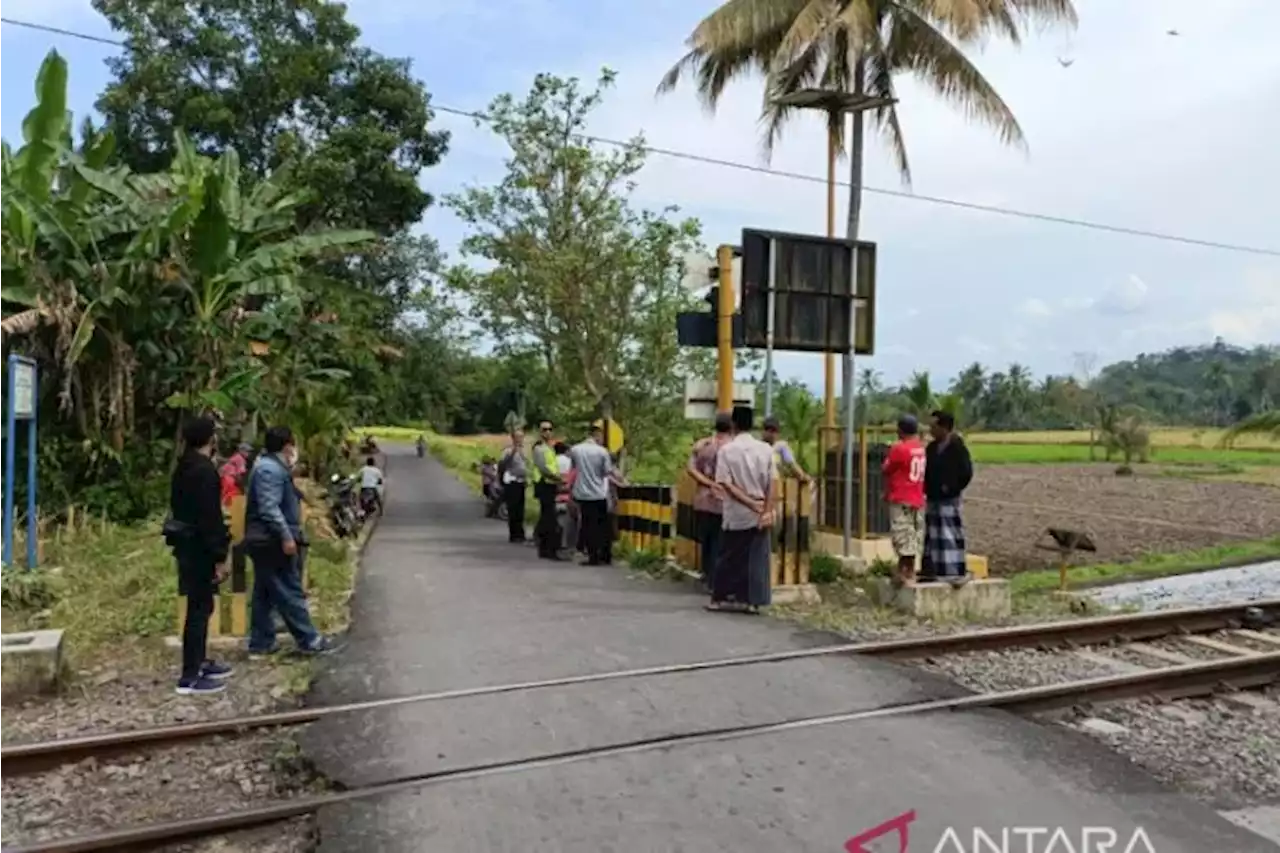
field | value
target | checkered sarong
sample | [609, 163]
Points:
[944, 537]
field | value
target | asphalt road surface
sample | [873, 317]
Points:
[443, 601]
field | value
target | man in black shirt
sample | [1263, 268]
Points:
[948, 470]
[199, 537]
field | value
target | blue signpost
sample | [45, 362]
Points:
[21, 379]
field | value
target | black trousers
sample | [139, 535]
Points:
[195, 581]
[547, 531]
[513, 495]
[708, 527]
[596, 532]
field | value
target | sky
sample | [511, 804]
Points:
[1143, 129]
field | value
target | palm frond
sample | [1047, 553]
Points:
[22, 322]
[1263, 423]
[915, 45]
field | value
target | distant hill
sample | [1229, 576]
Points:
[1212, 385]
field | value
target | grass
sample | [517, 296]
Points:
[1184, 437]
[1022, 453]
[1149, 567]
[113, 590]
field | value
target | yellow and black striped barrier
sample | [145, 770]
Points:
[644, 517]
[791, 532]
[237, 597]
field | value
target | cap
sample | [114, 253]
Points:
[245, 447]
[908, 425]
[772, 422]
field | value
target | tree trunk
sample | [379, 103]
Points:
[857, 147]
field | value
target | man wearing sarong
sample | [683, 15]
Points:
[744, 473]
[707, 517]
[948, 471]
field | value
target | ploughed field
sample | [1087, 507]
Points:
[1008, 507]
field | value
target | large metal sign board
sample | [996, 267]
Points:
[700, 398]
[808, 285]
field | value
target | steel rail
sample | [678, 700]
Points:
[22, 759]
[1194, 679]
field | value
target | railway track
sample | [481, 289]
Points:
[1242, 653]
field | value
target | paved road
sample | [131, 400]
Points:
[444, 602]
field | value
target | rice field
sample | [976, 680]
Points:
[1207, 438]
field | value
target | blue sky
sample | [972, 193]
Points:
[1146, 130]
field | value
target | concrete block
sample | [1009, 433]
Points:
[867, 550]
[1190, 716]
[800, 593]
[1250, 703]
[852, 565]
[32, 660]
[978, 599]
[977, 566]
[1099, 726]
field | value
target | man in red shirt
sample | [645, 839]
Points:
[904, 492]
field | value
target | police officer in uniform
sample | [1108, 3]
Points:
[546, 485]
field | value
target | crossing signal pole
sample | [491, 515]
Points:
[724, 330]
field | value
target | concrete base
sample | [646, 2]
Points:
[867, 550]
[800, 593]
[978, 599]
[32, 661]
[864, 552]
[852, 565]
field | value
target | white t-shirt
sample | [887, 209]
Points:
[370, 477]
[564, 463]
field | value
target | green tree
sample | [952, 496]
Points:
[281, 83]
[860, 47]
[135, 290]
[570, 269]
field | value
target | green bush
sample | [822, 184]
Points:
[27, 589]
[824, 569]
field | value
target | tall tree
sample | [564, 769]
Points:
[860, 46]
[279, 81]
[572, 270]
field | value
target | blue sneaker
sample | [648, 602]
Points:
[215, 671]
[199, 687]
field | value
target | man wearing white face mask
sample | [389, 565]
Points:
[273, 535]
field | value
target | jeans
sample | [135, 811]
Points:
[513, 495]
[277, 587]
[595, 529]
[195, 581]
[547, 531]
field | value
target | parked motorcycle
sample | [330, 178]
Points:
[494, 504]
[343, 506]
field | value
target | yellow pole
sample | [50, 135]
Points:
[724, 330]
[829, 397]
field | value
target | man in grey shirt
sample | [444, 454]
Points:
[594, 471]
[744, 474]
[513, 471]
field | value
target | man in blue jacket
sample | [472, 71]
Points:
[273, 534]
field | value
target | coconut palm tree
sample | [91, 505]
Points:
[1263, 423]
[860, 46]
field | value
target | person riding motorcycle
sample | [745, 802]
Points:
[421, 445]
[371, 485]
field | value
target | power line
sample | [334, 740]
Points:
[815, 179]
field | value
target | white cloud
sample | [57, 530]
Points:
[1255, 319]
[1124, 297]
[1036, 307]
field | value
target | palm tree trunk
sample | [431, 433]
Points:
[857, 148]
